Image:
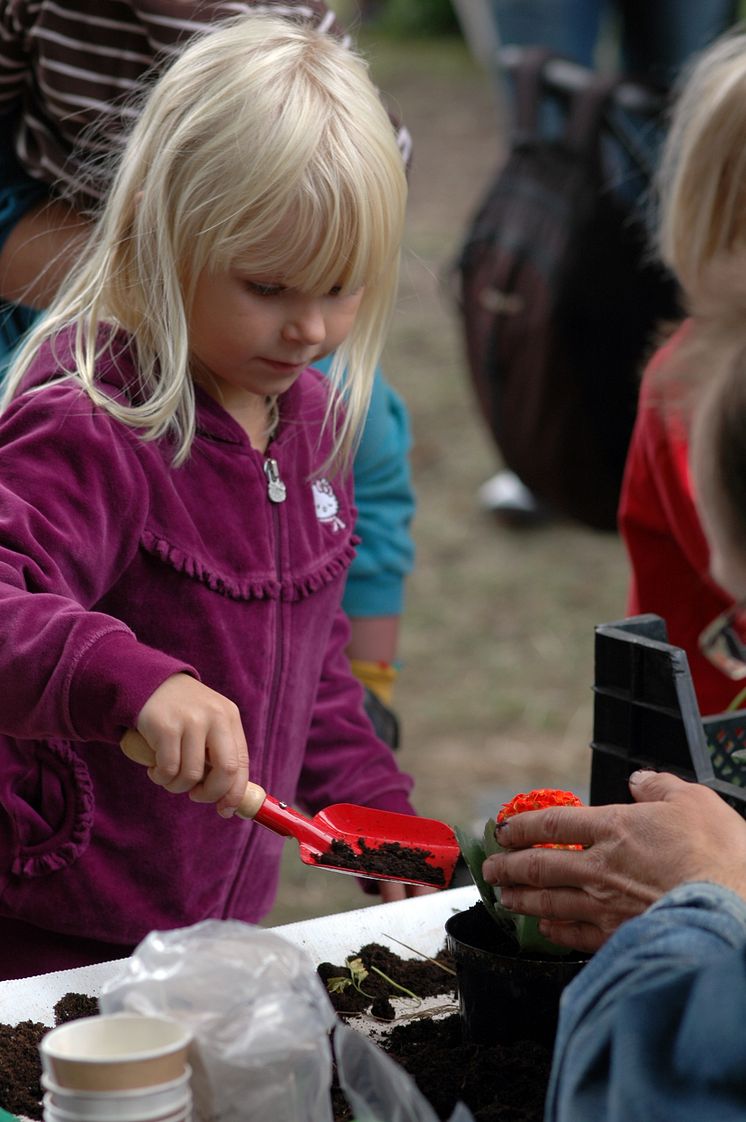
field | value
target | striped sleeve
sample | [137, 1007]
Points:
[16, 17]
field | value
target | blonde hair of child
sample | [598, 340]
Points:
[265, 146]
[722, 402]
[702, 177]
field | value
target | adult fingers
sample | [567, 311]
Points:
[656, 786]
[540, 868]
[584, 937]
[567, 905]
[558, 825]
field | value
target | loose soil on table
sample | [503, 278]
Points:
[20, 1065]
[498, 1083]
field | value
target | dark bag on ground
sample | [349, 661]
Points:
[560, 304]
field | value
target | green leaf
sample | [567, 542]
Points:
[336, 985]
[524, 929]
[530, 938]
[491, 844]
[473, 853]
[358, 974]
[357, 970]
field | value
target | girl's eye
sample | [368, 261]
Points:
[260, 289]
[335, 291]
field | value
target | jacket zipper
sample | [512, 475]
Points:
[276, 493]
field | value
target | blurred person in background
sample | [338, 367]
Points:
[647, 41]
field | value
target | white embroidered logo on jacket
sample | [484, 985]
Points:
[327, 504]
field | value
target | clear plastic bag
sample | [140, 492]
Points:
[259, 1014]
[377, 1089]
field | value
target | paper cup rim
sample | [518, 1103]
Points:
[49, 1043]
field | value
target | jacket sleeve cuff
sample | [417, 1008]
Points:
[392, 800]
[383, 596]
[111, 682]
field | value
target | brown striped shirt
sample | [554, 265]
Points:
[73, 71]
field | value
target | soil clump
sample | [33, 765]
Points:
[20, 1063]
[391, 859]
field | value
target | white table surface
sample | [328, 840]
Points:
[418, 922]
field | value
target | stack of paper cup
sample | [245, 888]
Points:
[120, 1067]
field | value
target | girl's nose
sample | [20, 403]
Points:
[306, 324]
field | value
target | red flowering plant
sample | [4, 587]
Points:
[525, 929]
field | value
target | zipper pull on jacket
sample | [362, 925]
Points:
[276, 489]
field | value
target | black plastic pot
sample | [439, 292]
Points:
[504, 995]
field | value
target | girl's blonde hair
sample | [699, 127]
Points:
[722, 400]
[265, 146]
[702, 176]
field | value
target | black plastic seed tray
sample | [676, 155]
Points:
[645, 715]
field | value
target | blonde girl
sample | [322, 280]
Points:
[703, 217]
[175, 504]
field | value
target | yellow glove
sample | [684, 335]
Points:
[379, 677]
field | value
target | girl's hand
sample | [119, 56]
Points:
[675, 832]
[390, 890]
[199, 743]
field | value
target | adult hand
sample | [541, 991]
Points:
[199, 743]
[674, 832]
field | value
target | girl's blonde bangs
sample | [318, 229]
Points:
[325, 239]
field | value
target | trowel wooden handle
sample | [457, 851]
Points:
[137, 748]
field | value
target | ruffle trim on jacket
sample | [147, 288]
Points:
[72, 840]
[264, 588]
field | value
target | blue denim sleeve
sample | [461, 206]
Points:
[385, 503]
[652, 1027]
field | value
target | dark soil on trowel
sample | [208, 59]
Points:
[389, 859]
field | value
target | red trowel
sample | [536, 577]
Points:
[345, 838]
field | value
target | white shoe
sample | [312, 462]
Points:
[505, 492]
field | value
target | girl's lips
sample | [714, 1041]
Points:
[284, 367]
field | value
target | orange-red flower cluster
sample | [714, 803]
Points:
[539, 800]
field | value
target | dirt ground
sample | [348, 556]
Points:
[497, 640]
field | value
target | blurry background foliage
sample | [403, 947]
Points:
[424, 18]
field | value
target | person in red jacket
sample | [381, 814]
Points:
[703, 215]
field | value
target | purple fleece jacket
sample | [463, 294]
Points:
[118, 570]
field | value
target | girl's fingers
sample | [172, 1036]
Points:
[224, 782]
[191, 764]
[391, 890]
[167, 748]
